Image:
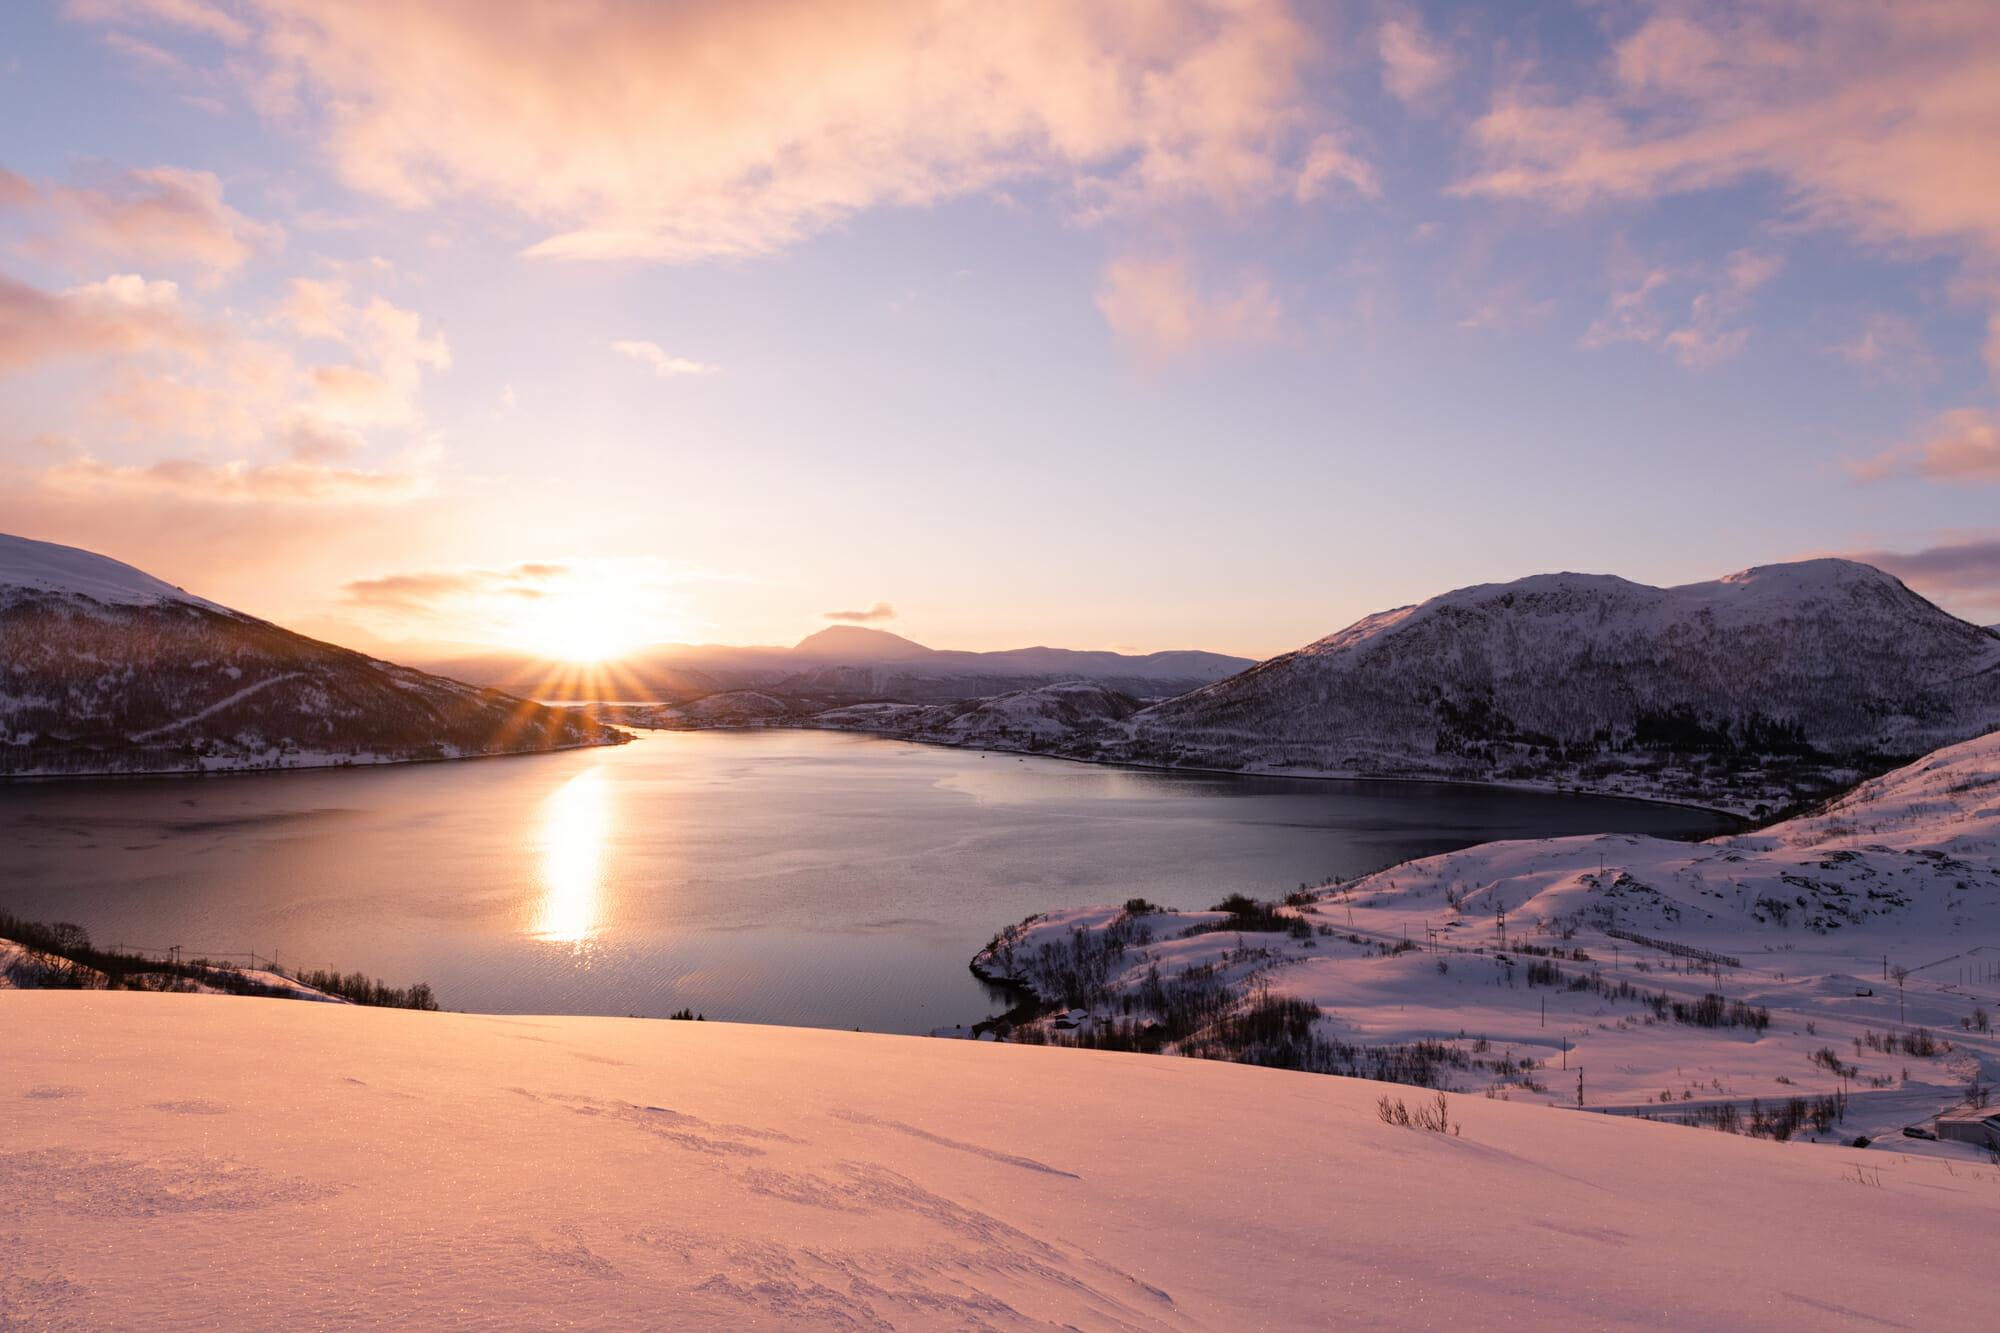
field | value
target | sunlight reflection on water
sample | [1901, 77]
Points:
[575, 821]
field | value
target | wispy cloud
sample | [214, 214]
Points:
[1159, 310]
[1415, 65]
[1964, 572]
[1874, 119]
[1706, 329]
[290, 481]
[1958, 446]
[878, 612]
[154, 218]
[421, 593]
[124, 313]
[655, 357]
[1889, 348]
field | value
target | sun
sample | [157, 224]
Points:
[584, 626]
[587, 638]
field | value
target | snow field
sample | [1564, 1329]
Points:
[199, 1162]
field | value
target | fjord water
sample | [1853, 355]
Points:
[791, 877]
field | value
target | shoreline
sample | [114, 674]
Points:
[345, 761]
[1749, 824]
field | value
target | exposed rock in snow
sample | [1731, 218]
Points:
[105, 669]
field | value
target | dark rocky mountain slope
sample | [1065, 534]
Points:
[1763, 687]
[104, 669]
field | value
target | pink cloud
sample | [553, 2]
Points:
[290, 481]
[1877, 118]
[1157, 308]
[880, 611]
[1965, 572]
[208, 19]
[1889, 348]
[121, 314]
[1959, 446]
[681, 131]
[656, 358]
[1708, 332]
[154, 217]
[1414, 64]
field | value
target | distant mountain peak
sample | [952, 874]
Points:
[853, 643]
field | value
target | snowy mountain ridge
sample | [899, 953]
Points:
[32, 566]
[1760, 689]
[105, 669]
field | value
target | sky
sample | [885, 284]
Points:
[1218, 324]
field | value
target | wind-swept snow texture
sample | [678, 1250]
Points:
[104, 669]
[1854, 953]
[1753, 690]
[194, 1162]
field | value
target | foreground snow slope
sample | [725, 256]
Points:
[1529, 962]
[203, 1162]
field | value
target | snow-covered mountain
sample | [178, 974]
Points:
[1759, 688]
[106, 669]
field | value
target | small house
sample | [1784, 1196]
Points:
[1970, 1124]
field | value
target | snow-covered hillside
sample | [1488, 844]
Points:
[1554, 968]
[104, 669]
[192, 1162]
[1778, 683]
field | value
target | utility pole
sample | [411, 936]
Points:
[1545, 1011]
[1579, 1085]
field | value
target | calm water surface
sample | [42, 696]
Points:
[779, 876]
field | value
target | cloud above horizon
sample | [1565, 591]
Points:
[879, 612]
[656, 358]
[421, 593]
[1962, 445]
[1967, 572]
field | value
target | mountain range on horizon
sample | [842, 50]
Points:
[1749, 693]
[837, 665]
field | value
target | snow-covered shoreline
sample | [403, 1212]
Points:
[298, 762]
[1864, 940]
